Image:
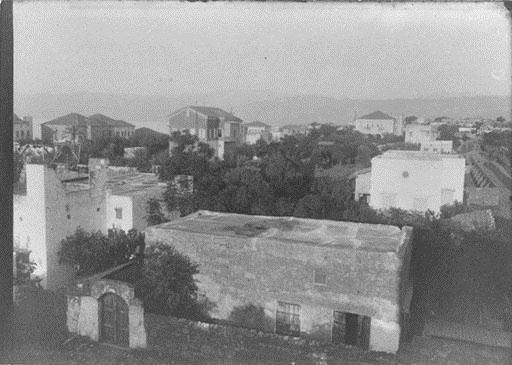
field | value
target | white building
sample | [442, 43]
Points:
[437, 146]
[363, 184]
[128, 192]
[54, 208]
[58, 201]
[378, 123]
[416, 180]
[255, 131]
[418, 133]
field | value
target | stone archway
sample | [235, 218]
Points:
[114, 321]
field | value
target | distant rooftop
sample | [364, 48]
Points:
[95, 119]
[257, 123]
[416, 155]
[376, 115]
[110, 121]
[215, 113]
[134, 183]
[326, 233]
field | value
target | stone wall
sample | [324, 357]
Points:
[83, 311]
[216, 340]
[240, 271]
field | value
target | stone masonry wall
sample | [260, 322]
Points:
[239, 271]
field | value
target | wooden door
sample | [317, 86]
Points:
[114, 320]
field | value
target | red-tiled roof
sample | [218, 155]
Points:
[257, 123]
[110, 121]
[215, 113]
[376, 115]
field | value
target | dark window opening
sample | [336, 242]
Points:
[288, 319]
[320, 277]
[351, 329]
[119, 213]
[69, 216]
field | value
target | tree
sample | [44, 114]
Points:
[93, 252]
[155, 215]
[167, 285]
[410, 119]
[140, 160]
[500, 119]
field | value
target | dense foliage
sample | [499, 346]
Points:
[167, 284]
[154, 213]
[271, 179]
[93, 252]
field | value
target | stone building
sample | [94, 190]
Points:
[437, 146]
[220, 129]
[416, 180]
[57, 201]
[78, 128]
[378, 123]
[363, 184]
[420, 133]
[128, 192]
[107, 311]
[22, 128]
[54, 206]
[255, 131]
[339, 282]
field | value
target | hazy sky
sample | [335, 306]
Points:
[340, 50]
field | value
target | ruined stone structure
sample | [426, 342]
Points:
[107, 311]
[333, 281]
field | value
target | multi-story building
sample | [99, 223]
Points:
[118, 128]
[418, 133]
[416, 180]
[22, 128]
[58, 201]
[255, 131]
[128, 192]
[214, 126]
[55, 204]
[378, 123]
[79, 128]
[437, 146]
[337, 282]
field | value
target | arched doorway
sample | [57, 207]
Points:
[114, 320]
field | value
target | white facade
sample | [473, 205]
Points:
[375, 126]
[437, 146]
[53, 209]
[50, 211]
[363, 184]
[418, 133]
[415, 180]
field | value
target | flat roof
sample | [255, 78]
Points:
[416, 155]
[326, 233]
[131, 184]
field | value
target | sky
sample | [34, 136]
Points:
[344, 50]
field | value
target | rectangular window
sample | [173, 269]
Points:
[351, 329]
[288, 319]
[320, 277]
[119, 213]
